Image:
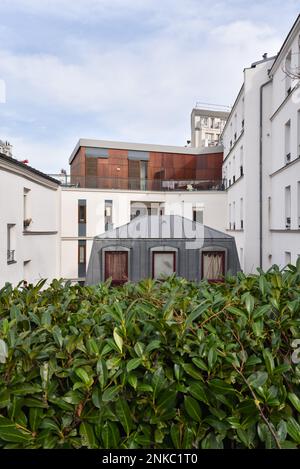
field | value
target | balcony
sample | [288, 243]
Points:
[135, 184]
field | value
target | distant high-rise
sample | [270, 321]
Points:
[207, 125]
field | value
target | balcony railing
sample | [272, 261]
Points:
[10, 255]
[136, 184]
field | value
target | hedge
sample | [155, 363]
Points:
[171, 364]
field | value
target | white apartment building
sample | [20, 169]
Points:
[207, 126]
[29, 224]
[261, 161]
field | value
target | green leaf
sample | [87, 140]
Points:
[293, 429]
[87, 435]
[57, 335]
[200, 363]
[269, 361]
[212, 357]
[158, 381]
[35, 418]
[110, 394]
[294, 400]
[102, 372]
[192, 371]
[176, 435]
[3, 351]
[139, 349]
[193, 408]
[200, 309]
[124, 415]
[110, 435]
[26, 388]
[257, 379]
[153, 345]
[249, 302]
[11, 432]
[50, 424]
[132, 380]
[83, 375]
[4, 398]
[197, 390]
[118, 339]
[133, 364]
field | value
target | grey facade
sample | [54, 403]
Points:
[167, 233]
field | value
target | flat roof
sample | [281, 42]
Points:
[26, 167]
[108, 144]
[210, 113]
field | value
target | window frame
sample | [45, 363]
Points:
[162, 252]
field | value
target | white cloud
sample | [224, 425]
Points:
[142, 90]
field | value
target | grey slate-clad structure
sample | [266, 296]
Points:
[150, 246]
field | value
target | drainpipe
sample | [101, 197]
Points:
[260, 173]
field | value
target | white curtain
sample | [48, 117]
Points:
[213, 265]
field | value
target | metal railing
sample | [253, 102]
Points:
[136, 184]
[10, 255]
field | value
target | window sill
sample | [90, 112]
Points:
[11, 262]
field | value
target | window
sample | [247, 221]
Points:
[287, 257]
[242, 213]
[81, 211]
[298, 202]
[81, 258]
[213, 265]
[81, 217]
[137, 173]
[164, 264]
[288, 207]
[198, 215]
[288, 142]
[26, 218]
[241, 161]
[11, 243]
[229, 216]
[241, 257]
[233, 216]
[298, 130]
[116, 266]
[269, 211]
[288, 80]
[108, 206]
[233, 168]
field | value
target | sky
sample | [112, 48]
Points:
[128, 70]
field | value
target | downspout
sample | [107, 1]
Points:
[260, 173]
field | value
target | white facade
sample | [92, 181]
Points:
[29, 253]
[206, 127]
[262, 135]
[211, 203]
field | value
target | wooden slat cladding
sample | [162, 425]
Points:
[119, 172]
[91, 166]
